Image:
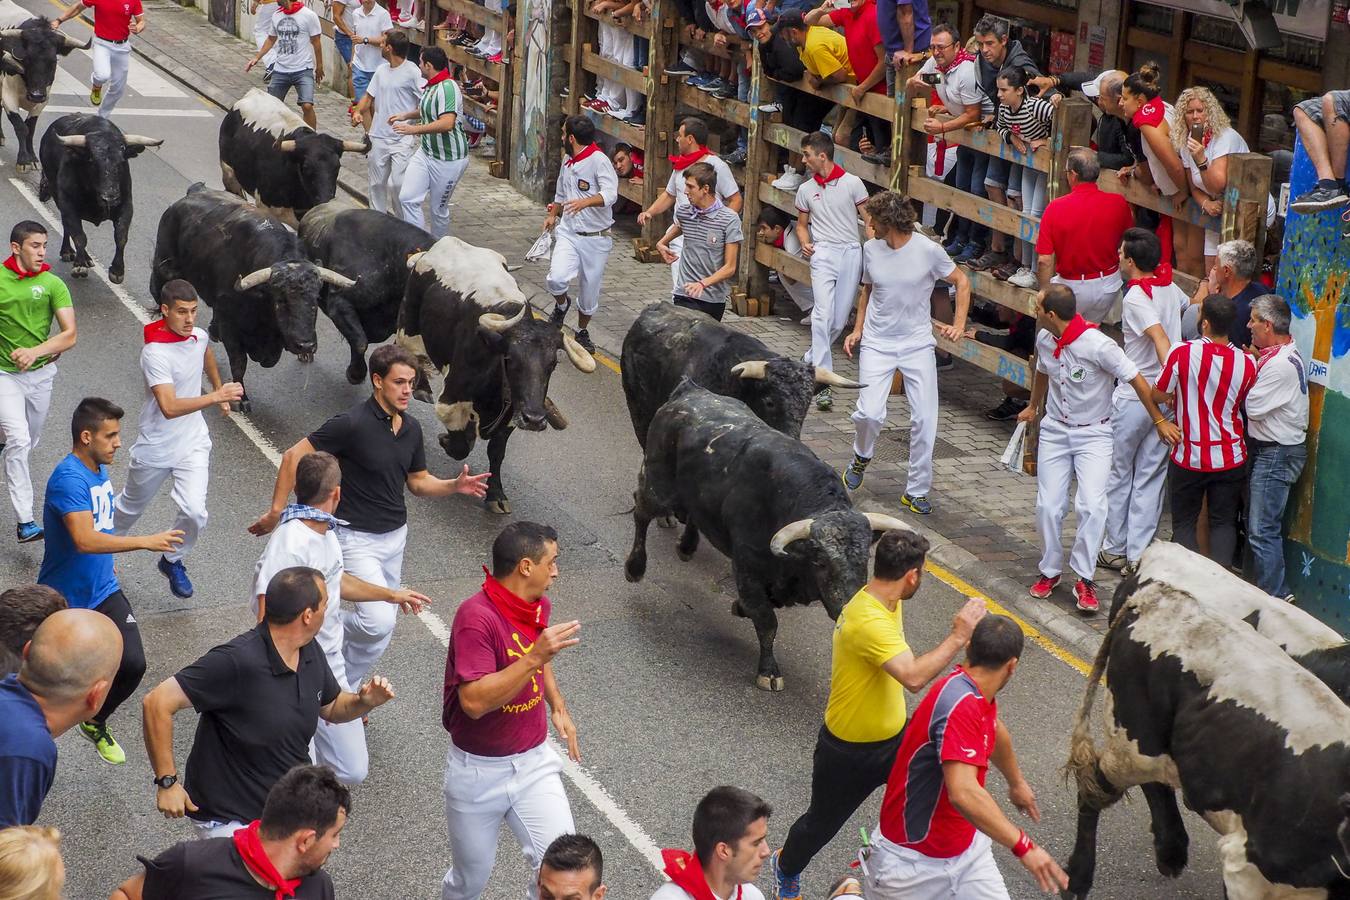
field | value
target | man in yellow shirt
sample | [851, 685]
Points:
[823, 51]
[870, 669]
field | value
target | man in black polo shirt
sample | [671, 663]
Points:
[280, 855]
[379, 448]
[260, 698]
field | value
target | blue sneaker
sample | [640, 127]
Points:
[918, 505]
[968, 254]
[853, 475]
[700, 81]
[29, 532]
[179, 583]
[786, 887]
[715, 85]
[954, 247]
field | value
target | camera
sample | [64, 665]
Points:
[933, 78]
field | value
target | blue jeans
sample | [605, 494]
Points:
[971, 166]
[1275, 468]
[343, 45]
[302, 81]
[360, 81]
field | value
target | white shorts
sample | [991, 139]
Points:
[898, 873]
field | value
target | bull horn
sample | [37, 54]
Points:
[71, 43]
[499, 323]
[253, 279]
[883, 522]
[336, 279]
[71, 140]
[140, 140]
[10, 60]
[755, 369]
[415, 258]
[826, 377]
[12, 32]
[793, 531]
[356, 146]
[578, 355]
[286, 146]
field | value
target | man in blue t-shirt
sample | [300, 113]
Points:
[78, 517]
[67, 671]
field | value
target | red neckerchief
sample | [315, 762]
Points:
[1076, 327]
[292, 9]
[684, 869]
[1267, 355]
[13, 265]
[525, 617]
[158, 332]
[585, 152]
[962, 55]
[778, 241]
[1151, 113]
[1161, 277]
[682, 161]
[442, 75]
[249, 844]
[835, 174]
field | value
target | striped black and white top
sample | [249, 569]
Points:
[1032, 121]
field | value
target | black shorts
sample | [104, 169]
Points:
[713, 309]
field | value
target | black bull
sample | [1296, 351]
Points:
[764, 500]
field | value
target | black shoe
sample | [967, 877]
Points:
[681, 68]
[736, 158]
[1327, 195]
[583, 338]
[1006, 410]
[881, 159]
[560, 312]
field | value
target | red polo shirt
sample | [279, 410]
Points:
[1082, 230]
[863, 36]
[112, 18]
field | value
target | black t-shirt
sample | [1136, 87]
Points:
[213, 870]
[1241, 334]
[375, 464]
[257, 718]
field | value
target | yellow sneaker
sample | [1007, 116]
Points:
[96, 95]
[103, 742]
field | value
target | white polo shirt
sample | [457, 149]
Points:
[899, 310]
[1083, 378]
[1277, 404]
[163, 443]
[394, 90]
[371, 24]
[589, 173]
[833, 206]
[1139, 312]
[959, 88]
[726, 182]
[294, 543]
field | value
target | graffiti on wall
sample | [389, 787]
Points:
[530, 169]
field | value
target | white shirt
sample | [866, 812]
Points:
[394, 90]
[672, 891]
[1220, 145]
[726, 182]
[1155, 168]
[293, 32]
[899, 310]
[584, 178]
[833, 207]
[959, 88]
[162, 443]
[263, 16]
[294, 543]
[1277, 404]
[1084, 376]
[1138, 313]
[366, 57]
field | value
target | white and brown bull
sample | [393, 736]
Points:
[29, 49]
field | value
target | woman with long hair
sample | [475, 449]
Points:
[30, 863]
[1141, 101]
[1024, 122]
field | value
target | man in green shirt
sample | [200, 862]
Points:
[31, 298]
[442, 149]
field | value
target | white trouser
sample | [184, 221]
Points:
[24, 400]
[583, 259]
[432, 180]
[190, 476]
[835, 271]
[525, 790]
[368, 627]
[491, 42]
[799, 291]
[898, 873]
[1065, 453]
[386, 164]
[111, 63]
[616, 45]
[676, 247]
[342, 747]
[260, 36]
[1098, 299]
[215, 828]
[918, 365]
[1138, 478]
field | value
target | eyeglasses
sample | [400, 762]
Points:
[941, 46]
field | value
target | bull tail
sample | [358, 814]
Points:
[1082, 766]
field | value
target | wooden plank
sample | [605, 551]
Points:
[781, 261]
[630, 191]
[984, 140]
[878, 105]
[594, 62]
[575, 85]
[1149, 41]
[1139, 195]
[1246, 198]
[977, 209]
[660, 128]
[476, 13]
[1055, 17]
[790, 138]
[991, 359]
[621, 131]
[753, 277]
[1201, 54]
[772, 196]
[1073, 128]
[982, 284]
[730, 110]
[1309, 80]
[515, 74]
[480, 111]
[707, 47]
[495, 71]
[641, 29]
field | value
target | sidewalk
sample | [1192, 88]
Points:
[983, 526]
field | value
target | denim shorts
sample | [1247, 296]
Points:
[1340, 102]
[360, 81]
[997, 173]
[344, 46]
[303, 82]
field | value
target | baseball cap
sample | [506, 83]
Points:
[754, 17]
[1093, 89]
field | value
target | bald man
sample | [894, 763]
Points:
[67, 671]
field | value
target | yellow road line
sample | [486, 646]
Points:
[80, 18]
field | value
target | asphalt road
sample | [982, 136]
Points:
[661, 687]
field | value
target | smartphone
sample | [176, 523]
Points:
[1197, 132]
[933, 78]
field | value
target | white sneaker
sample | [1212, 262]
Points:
[1024, 278]
[770, 107]
[806, 321]
[790, 180]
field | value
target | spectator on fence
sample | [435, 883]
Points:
[824, 54]
[629, 162]
[1111, 129]
[1013, 332]
[616, 45]
[1324, 127]
[489, 46]
[802, 111]
[1234, 275]
[1207, 381]
[776, 229]
[906, 31]
[1277, 422]
[706, 261]
[395, 86]
[1025, 122]
[1161, 166]
[30, 863]
[1079, 238]
[1151, 322]
[963, 105]
[867, 57]
[827, 226]
[22, 609]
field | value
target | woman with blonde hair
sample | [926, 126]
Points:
[30, 863]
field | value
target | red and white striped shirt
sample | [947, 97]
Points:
[1211, 382]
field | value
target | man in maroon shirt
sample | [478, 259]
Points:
[498, 676]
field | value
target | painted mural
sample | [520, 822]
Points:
[529, 170]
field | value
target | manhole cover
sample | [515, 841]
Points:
[893, 446]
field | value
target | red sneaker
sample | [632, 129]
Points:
[1043, 586]
[1086, 592]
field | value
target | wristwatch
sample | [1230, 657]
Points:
[164, 782]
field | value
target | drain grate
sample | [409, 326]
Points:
[893, 446]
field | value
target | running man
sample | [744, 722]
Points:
[379, 448]
[31, 298]
[583, 211]
[115, 21]
[395, 86]
[442, 151]
[293, 32]
[77, 558]
[172, 439]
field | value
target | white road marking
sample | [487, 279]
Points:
[593, 791]
[142, 80]
[127, 112]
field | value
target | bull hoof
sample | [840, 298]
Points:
[79, 272]
[424, 396]
[1172, 860]
[244, 406]
[357, 374]
[115, 277]
[501, 505]
[667, 521]
[634, 568]
[67, 256]
[773, 683]
[736, 609]
[683, 554]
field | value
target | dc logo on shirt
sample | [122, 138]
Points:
[583, 185]
[101, 499]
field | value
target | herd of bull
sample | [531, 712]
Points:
[1216, 689]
